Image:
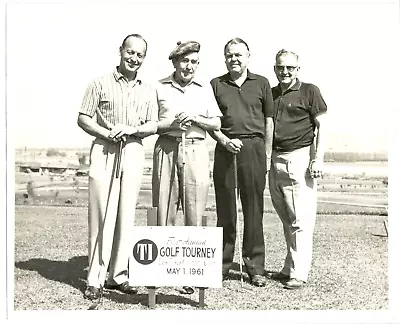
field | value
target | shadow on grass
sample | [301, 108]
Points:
[142, 298]
[72, 272]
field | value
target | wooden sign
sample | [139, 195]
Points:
[176, 256]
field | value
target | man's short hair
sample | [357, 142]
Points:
[135, 36]
[184, 48]
[285, 52]
[236, 40]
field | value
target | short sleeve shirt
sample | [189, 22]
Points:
[295, 110]
[193, 98]
[114, 100]
[244, 108]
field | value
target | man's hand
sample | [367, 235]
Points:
[185, 119]
[316, 167]
[234, 145]
[120, 132]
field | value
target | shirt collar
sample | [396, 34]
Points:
[294, 87]
[250, 76]
[118, 75]
[171, 79]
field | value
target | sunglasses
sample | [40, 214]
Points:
[281, 68]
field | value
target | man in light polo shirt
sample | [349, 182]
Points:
[297, 161]
[185, 106]
[118, 109]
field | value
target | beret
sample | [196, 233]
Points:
[184, 48]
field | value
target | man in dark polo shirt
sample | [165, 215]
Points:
[245, 100]
[297, 161]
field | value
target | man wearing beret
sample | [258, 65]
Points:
[185, 106]
[245, 100]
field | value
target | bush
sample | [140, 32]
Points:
[54, 152]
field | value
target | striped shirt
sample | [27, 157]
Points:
[114, 100]
[193, 99]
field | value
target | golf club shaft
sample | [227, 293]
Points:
[118, 166]
[238, 228]
[183, 173]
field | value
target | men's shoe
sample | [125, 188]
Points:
[92, 293]
[258, 281]
[187, 290]
[124, 288]
[294, 284]
[278, 276]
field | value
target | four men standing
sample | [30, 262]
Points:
[250, 122]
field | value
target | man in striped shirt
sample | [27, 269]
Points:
[118, 109]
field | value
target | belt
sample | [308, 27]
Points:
[179, 139]
[245, 136]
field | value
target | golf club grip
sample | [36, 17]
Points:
[235, 171]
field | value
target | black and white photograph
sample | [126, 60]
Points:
[225, 157]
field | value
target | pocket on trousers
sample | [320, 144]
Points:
[98, 159]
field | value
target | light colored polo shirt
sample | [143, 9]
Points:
[114, 100]
[193, 99]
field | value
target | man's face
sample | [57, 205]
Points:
[186, 66]
[237, 58]
[132, 55]
[286, 68]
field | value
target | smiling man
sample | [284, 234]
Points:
[118, 109]
[245, 100]
[297, 161]
[185, 106]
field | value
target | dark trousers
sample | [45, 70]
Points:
[251, 165]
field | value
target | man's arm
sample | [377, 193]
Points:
[166, 125]
[207, 123]
[317, 163]
[232, 145]
[90, 126]
[146, 129]
[269, 135]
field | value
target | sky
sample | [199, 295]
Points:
[345, 48]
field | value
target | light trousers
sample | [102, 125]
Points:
[294, 197]
[112, 204]
[167, 182]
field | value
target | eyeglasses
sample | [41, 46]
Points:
[289, 68]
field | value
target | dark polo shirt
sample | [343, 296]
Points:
[244, 108]
[294, 115]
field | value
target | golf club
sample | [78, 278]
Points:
[238, 228]
[118, 166]
[186, 289]
[96, 304]
[183, 174]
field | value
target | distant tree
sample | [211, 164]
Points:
[55, 152]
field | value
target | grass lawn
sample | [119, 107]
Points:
[349, 270]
